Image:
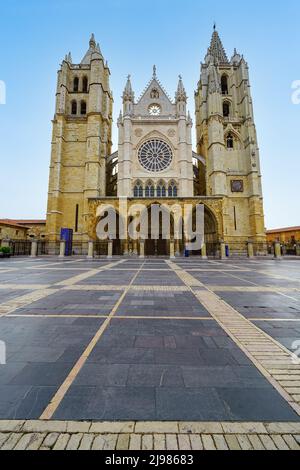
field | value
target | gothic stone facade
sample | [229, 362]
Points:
[155, 162]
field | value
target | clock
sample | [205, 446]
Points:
[154, 110]
[237, 186]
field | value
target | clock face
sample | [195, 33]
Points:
[154, 110]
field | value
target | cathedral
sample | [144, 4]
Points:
[155, 162]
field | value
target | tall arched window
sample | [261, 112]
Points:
[161, 189]
[226, 109]
[230, 141]
[85, 85]
[150, 190]
[76, 84]
[224, 84]
[138, 190]
[172, 190]
[83, 107]
[74, 107]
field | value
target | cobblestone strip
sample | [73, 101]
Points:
[121, 288]
[266, 353]
[12, 305]
[24, 286]
[62, 435]
[81, 277]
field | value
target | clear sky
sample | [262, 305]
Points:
[35, 35]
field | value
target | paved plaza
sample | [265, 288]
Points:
[155, 340]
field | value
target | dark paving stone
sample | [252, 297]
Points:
[121, 355]
[74, 303]
[33, 403]
[256, 405]
[165, 304]
[157, 278]
[106, 278]
[35, 368]
[11, 397]
[42, 374]
[111, 375]
[108, 403]
[190, 405]
[8, 294]
[220, 377]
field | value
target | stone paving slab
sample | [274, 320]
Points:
[141, 435]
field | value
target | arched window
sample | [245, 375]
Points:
[138, 190]
[161, 189]
[224, 85]
[76, 84]
[230, 141]
[226, 109]
[85, 85]
[74, 107]
[172, 190]
[83, 107]
[150, 190]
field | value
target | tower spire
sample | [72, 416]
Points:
[128, 94]
[216, 49]
[180, 93]
[93, 41]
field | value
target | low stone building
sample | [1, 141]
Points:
[11, 230]
[20, 229]
[288, 235]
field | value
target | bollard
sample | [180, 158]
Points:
[110, 249]
[142, 249]
[62, 249]
[277, 250]
[34, 249]
[250, 250]
[172, 249]
[90, 250]
[203, 251]
[222, 250]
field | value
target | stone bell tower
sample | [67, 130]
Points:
[226, 138]
[81, 141]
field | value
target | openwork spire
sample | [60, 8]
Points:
[128, 94]
[180, 93]
[93, 42]
[93, 52]
[216, 49]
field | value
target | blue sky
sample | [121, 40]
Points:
[35, 35]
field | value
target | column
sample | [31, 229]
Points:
[125, 244]
[90, 250]
[135, 247]
[222, 250]
[277, 250]
[177, 247]
[298, 249]
[142, 249]
[110, 249]
[250, 250]
[62, 249]
[203, 251]
[172, 249]
[34, 249]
